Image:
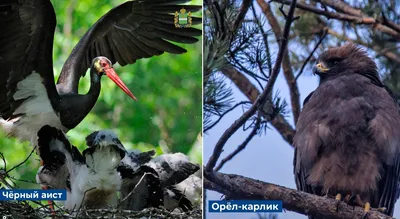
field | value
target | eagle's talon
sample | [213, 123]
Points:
[382, 210]
[338, 199]
[365, 215]
[367, 207]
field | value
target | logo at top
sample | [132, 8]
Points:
[183, 19]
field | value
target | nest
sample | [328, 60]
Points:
[22, 210]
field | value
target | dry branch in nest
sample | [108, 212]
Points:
[22, 210]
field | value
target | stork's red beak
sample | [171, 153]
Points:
[114, 77]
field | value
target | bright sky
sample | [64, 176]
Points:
[268, 157]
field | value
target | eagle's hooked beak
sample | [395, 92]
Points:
[319, 68]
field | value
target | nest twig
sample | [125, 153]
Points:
[22, 210]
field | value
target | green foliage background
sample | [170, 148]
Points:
[167, 115]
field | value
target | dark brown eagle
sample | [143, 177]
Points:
[347, 143]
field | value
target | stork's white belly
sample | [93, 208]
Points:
[36, 110]
[93, 189]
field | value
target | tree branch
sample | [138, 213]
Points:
[264, 36]
[354, 16]
[239, 187]
[349, 18]
[389, 23]
[251, 92]
[206, 129]
[241, 147]
[260, 100]
[213, 186]
[26, 159]
[343, 6]
[311, 54]
[390, 55]
[242, 13]
[286, 66]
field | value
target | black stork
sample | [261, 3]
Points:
[29, 97]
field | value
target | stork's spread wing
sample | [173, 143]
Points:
[131, 31]
[26, 39]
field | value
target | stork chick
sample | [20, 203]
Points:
[140, 184]
[98, 181]
[175, 171]
[53, 148]
[190, 190]
[93, 181]
[141, 188]
[173, 168]
[167, 171]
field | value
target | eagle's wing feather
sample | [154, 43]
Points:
[389, 186]
[385, 132]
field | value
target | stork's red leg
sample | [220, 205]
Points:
[50, 202]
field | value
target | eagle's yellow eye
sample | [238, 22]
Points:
[321, 67]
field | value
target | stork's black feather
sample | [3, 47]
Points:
[76, 155]
[184, 203]
[131, 31]
[53, 147]
[128, 32]
[141, 158]
[91, 138]
[46, 135]
[141, 188]
[26, 36]
[176, 176]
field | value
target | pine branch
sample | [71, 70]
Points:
[311, 54]
[260, 100]
[236, 187]
[286, 65]
[251, 92]
[241, 147]
[350, 14]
